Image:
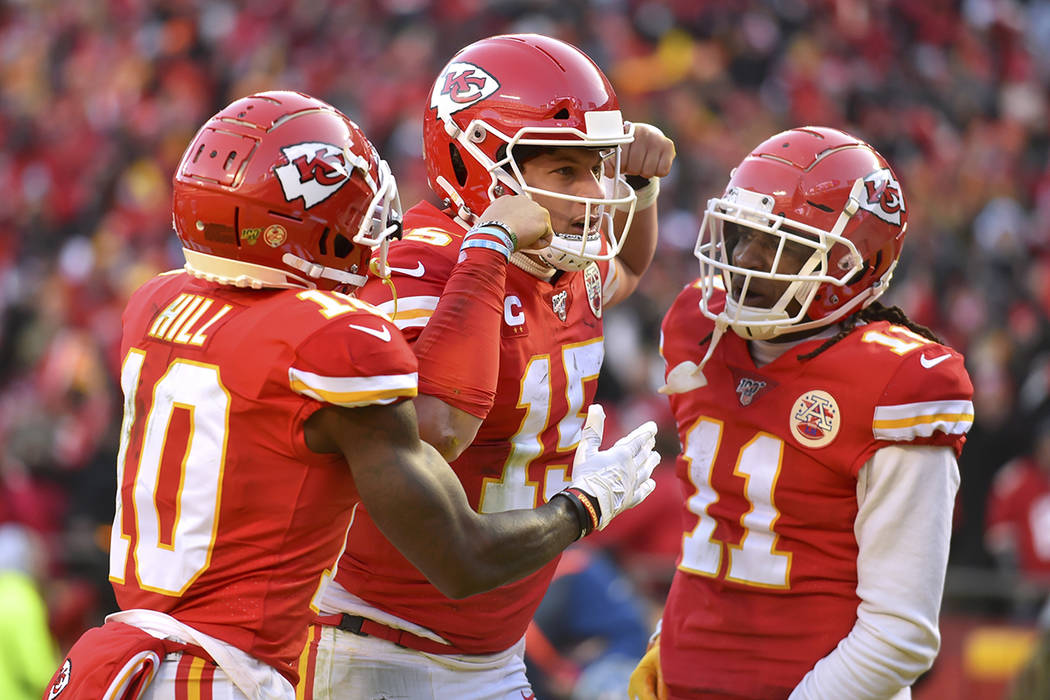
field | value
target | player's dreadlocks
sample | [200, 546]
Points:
[877, 311]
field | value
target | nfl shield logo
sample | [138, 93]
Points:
[558, 303]
[592, 280]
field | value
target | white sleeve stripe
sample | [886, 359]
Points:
[923, 419]
[408, 304]
[922, 408]
[353, 391]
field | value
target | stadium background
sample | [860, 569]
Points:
[98, 99]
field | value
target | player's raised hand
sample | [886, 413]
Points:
[649, 155]
[529, 223]
[619, 477]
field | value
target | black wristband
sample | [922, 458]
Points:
[583, 518]
[636, 182]
[591, 505]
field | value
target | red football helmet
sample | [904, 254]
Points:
[831, 215]
[517, 90]
[282, 190]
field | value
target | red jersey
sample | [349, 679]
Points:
[550, 353]
[1019, 511]
[767, 576]
[225, 519]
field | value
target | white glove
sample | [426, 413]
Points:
[619, 477]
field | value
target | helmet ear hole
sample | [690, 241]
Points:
[459, 168]
[562, 114]
[859, 274]
[342, 246]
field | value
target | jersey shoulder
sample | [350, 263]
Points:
[354, 354]
[144, 300]
[685, 329]
[923, 391]
[420, 265]
[344, 351]
[431, 236]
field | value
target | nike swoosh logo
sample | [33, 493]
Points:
[417, 271]
[383, 335]
[934, 362]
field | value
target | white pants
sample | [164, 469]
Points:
[183, 676]
[253, 679]
[353, 667]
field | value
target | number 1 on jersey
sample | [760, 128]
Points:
[755, 561]
[581, 362]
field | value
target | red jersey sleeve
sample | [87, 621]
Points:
[420, 267]
[357, 359]
[927, 401]
[683, 329]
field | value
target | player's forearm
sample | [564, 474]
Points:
[471, 554]
[419, 505]
[637, 253]
[458, 350]
[508, 546]
[903, 527]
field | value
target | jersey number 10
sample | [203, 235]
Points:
[170, 553]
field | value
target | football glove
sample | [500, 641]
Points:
[647, 682]
[617, 478]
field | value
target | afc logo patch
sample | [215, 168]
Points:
[460, 86]
[882, 196]
[315, 171]
[815, 418]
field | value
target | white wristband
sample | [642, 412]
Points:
[645, 197]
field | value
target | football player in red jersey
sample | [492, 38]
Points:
[251, 382]
[819, 441]
[505, 400]
[1017, 519]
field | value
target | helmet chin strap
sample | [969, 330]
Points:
[689, 375]
[316, 271]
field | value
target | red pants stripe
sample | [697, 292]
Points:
[308, 664]
[193, 678]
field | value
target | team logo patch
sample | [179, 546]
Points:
[61, 681]
[560, 304]
[460, 86]
[592, 281]
[315, 171]
[275, 235]
[815, 418]
[882, 196]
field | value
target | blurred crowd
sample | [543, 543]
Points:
[99, 98]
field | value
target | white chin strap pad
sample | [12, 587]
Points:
[566, 254]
